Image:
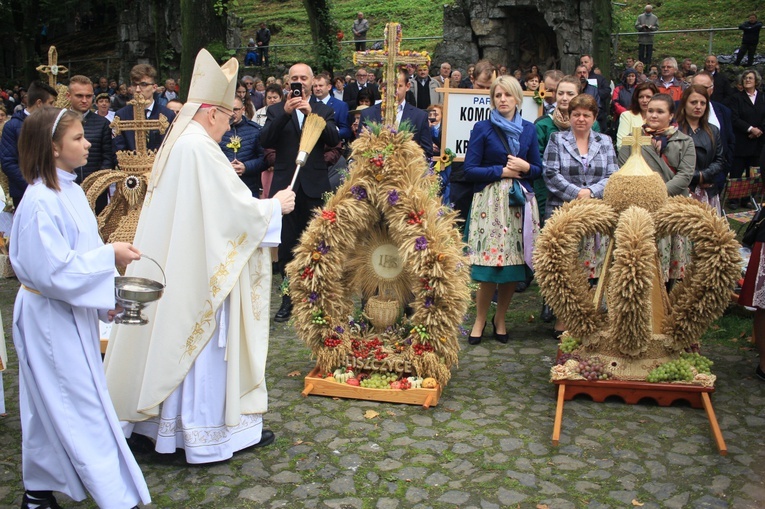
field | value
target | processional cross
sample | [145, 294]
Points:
[52, 70]
[389, 58]
[141, 125]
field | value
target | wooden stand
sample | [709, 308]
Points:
[632, 392]
[321, 387]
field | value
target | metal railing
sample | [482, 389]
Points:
[273, 49]
[711, 30]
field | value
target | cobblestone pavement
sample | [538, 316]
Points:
[486, 445]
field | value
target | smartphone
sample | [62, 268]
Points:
[296, 89]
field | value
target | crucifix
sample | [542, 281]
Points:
[52, 70]
[141, 125]
[389, 59]
[636, 140]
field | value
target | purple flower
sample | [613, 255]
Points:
[429, 301]
[339, 329]
[392, 197]
[420, 243]
[313, 297]
[463, 331]
[322, 248]
[359, 192]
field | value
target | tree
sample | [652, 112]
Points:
[323, 33]
[203, 25]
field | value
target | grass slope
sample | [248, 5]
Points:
[288, 22]
[423, 18]
[683, 15]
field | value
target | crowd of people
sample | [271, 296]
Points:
[703, 130]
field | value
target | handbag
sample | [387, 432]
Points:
[754, 229]
[516, 195]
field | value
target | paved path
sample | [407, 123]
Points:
[486, 445]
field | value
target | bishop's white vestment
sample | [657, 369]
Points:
[71, 438]
[194, 377]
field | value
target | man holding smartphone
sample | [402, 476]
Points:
[284, 123]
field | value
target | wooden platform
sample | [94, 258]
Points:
[664, 394]
[317, 386]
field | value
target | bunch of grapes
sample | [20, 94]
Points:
[421, 348]
[377, 160]
[698, 361]
[332, 342]
[569, 344]
[379, 380]
[682, 369]
[420, 330]
[592, 369]
[564, 357]
[317, 318]
[404, 384]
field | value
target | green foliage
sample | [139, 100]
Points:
[219, 50]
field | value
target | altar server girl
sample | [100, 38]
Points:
[71, 438]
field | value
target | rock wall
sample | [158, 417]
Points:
[150, 33]
[519, 33]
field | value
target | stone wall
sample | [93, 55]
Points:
[518, 33]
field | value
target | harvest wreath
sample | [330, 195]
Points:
[385, 235]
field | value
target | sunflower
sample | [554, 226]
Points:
[444, 161]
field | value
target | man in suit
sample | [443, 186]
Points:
[322, 85]
[722, 89]
[144, 79]
[721, 117]
[584, 85]
[604, 90]
[284, 122]
[97, 132]
[424, 89]
[405, 112]
[351, 91]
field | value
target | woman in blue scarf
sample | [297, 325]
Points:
[502, 160]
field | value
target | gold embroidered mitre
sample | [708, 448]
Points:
[210, 85]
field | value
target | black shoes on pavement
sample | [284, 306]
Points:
[285, 310]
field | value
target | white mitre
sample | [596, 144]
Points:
[211, 85]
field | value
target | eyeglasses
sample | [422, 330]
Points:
[230, 116]
[361, 75]
[237, 110]
[142, 84]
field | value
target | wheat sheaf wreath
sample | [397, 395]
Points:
[389, 184]
[625, 329]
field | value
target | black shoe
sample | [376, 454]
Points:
[759, 373]
[285, 311]
[502, 338]
[40, 500]
[474, 340]
[267, 437]
[547, 313]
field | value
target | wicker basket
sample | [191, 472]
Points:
[382, 312]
